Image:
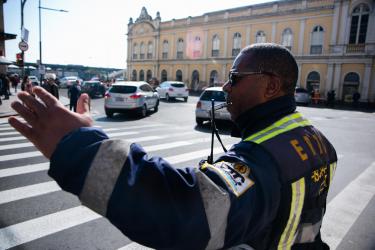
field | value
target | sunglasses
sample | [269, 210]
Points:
[235, 77]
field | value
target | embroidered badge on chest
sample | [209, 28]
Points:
[235, 175]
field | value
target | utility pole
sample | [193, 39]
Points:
[23, 52]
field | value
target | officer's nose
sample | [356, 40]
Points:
[227, 86]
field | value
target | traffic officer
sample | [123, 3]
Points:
[268, 191]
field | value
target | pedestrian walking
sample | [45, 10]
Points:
[15, 80]
[74, 92]
[356, 96]
[50, 85]
[24, 81]
[269, 191]
[331, 95]
[5, 86]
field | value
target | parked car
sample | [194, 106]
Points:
[93, 88]
[68, 81]
[172, 89]
[34, 80]
[302, 96]
[130, 96]
[204, 105]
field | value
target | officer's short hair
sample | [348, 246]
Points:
[273, 58]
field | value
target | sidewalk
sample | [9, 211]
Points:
[6, 110]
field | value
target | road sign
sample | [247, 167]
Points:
[23, 46]
[42, 69]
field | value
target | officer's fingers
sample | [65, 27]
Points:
[32, 103]
[26, 113]
[21, 127]
[46, 97]
[83, 105]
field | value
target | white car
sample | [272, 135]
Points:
[204, 105]
[68, 81]
[172, 89]
[34, 80]
[130, 96]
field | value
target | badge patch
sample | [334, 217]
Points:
[235, 175]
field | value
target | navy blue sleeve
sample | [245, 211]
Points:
[152, 203]
[72, 157]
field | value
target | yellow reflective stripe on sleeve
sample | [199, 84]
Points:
[283, 125]
[298, 196]
[332, 170]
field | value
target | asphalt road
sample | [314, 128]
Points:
[36, 214]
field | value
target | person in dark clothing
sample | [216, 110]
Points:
[269, 191]
[25, 80]
[50, 85]
[5, 86]
[356, 97]
[331, 95]
[74, 92]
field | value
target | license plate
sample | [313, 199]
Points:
[119, 99]
[179, 94]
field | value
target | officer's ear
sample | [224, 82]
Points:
[273, 88]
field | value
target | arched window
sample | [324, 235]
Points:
[313, 81]
[150, 49]
[317, 38]
[164, 75]
[134, 75]
[180, 48]
[358, 26]
[236, 44]
[195, 80]
[197, 47]
[215, 45]
[287, 38]
[165, 49]
[135, 51]
[142, 49]
[213, 78]
[260, 37]
[141, 75]
[350, 86]
[179, 75]
[148, 75]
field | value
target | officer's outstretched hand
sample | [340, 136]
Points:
[47, 120]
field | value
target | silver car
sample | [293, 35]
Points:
[172, 89]
[204, 105]
[302, 96]
[130, 96]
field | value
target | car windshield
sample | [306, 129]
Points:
[178, 85]
[218, 96]
[123, 89]
[301, 90]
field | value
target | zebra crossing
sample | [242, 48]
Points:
[28, 224]
[36, 214]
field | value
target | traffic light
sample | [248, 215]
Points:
[19, 57]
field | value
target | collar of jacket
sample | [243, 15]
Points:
[264, 115]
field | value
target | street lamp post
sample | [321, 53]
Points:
[40, 32]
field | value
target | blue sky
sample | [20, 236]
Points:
[93, 32]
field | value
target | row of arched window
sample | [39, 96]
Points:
[214, 76]
[357, 35]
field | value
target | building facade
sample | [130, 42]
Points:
[332, 40]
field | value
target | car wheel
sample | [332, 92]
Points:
[167, 98]
[185, 99]
[156, 108]
[143, 111]
[109, 113]
[199, 121]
